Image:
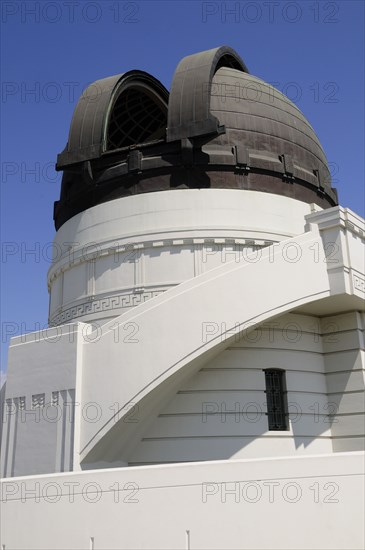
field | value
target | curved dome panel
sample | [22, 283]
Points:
[189, 103]
[270, 133]
[112, 113]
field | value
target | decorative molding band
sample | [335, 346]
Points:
[338, 217]
[358, 282]
[100, 305]
[355, 228]
[135, 250]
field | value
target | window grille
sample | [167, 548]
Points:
[38, 400]
[276, 398]
[135, 118]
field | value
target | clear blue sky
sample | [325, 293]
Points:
[312, 50]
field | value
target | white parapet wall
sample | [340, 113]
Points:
[278, 504]
[40, 415]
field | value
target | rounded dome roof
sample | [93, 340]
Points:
[219, 127]
[270, 133]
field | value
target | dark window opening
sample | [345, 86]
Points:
[136, 117]
[276, 398]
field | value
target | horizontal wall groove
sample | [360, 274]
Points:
[248, 390]
[219, 391]
[347, 437]
[290, 436]
[214, 369]
[260, 369]
[345, 392]
[240, 348]
[347, 414]
[233, 413]
[345, 331]
[342, 371]
[343, 350]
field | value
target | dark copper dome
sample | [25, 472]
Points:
[219, 127]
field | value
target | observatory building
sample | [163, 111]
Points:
[203, 372]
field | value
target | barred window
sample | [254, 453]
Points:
[276, 398]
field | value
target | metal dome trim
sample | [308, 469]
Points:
[189, 103]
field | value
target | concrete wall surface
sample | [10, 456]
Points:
[279, 503]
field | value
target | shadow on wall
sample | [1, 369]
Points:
[218, 410]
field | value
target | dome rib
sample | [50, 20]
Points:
[189, 103]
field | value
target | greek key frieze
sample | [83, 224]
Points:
[101, 305]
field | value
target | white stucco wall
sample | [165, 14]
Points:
[220, 412]
[345, 378]
[40, 395]
[281, 503]
[117, 255]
